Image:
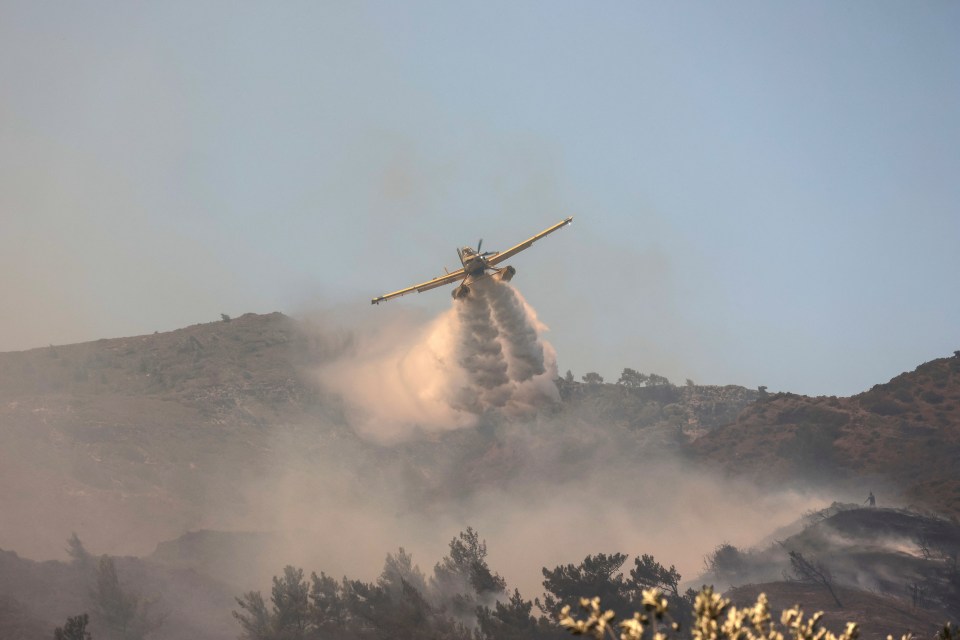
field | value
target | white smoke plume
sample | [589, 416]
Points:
[483, 356]
[480, 353]
[519, 334]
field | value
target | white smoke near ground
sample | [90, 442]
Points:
[543, 487]
[347, 509]
[484, 356]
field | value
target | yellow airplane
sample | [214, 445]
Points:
[475, 266]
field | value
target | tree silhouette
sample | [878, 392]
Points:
[255, 620]
[125, 614]
[74, 629]
[806, 571]
[289, 595]
[592, 377]
[398, 569]
[463, 575]
[726, 562]
[327, 607]
[632, 378]
[598, 575]
[78, 553]
[647, 573]
[654, 380]
[512, 620]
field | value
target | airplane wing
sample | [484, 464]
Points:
[453, 276]
[512, 251]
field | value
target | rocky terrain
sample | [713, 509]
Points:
[903, 436]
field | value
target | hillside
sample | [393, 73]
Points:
[218, 442]
[893, 571]
[164, 433]
[690, 410]
[161, 432]
[244, 369]
[135, 440]
[127, 436]
[903, 435]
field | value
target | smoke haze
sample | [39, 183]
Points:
[418, 430]
[542, 492]
[465, 413]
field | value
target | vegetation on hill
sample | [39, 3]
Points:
[904, 434]
[650, 403]
[163, 433]
[893, 571]
[847, 562]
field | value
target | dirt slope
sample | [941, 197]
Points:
[905, 433]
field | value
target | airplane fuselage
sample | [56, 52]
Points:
[474, 264]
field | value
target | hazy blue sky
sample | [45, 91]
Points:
[765, 193]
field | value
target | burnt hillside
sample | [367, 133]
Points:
[891, 570]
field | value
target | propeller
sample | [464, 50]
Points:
[485, 253]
